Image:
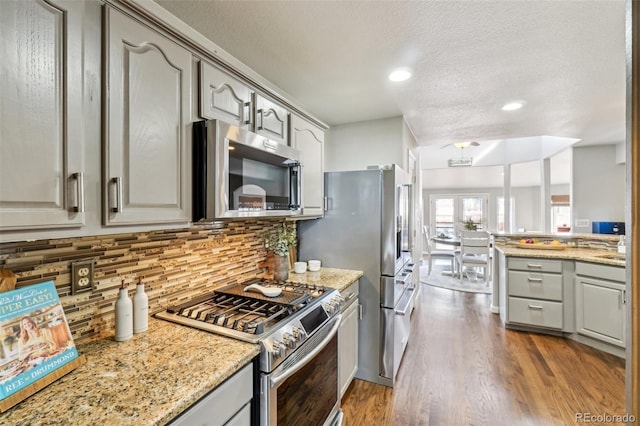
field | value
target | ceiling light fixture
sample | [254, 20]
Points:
[400, 74]
[512, 106]
[462, 161]
[463, 145]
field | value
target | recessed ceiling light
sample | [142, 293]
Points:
[512, 106]
[400, 74]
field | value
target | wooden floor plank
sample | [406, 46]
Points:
[462, 367]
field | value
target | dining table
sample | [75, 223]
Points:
[451, 241]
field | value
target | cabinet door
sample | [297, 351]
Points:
[41, 151]
[223, 97]
[348, 348]
[146, 148]
[271, 120]
[600, 310]
[309, 140]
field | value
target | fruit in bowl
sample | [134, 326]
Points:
[527, 241]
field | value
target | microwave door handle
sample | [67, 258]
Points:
[275, 381]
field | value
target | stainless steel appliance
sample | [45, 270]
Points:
[366, 227]
[237, 173]
[297, 333]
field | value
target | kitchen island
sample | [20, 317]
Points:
[150, 379]
[578, 292]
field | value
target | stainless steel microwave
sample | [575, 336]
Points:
[237, 173]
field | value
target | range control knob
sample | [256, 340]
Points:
[275, 351]
[329, 308]
[298, 334]
[289, 340]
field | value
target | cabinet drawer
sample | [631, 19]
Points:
[610, 273]
[535, 285]
[540, 313]
[537, 265]
[222, 403]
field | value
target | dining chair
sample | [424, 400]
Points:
[436, 254]
[475, 251]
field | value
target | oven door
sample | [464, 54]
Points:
[304, 388]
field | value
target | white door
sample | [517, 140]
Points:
[449, 213]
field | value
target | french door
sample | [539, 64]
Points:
[449, 213]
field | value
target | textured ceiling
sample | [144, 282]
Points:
[564, 59]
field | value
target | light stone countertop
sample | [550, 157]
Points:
[151, 378]
[581, 254]
[339, 279]
[147, 380]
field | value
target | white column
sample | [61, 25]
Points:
[506, 191]
[545, 195]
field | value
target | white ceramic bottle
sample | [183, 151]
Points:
[124, 315]
[140, 309]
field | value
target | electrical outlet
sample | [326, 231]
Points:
[81, 276]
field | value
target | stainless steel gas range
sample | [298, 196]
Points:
[297, 333]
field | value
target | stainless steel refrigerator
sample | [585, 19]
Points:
[366, 227]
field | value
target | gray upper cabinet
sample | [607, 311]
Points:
[146, 144]
[41, 144]
[271, 120]
[309, 140]
[223, 97]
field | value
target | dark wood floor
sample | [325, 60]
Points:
[463, 368]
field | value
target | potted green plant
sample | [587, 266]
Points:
[470, 225]
[280, 240]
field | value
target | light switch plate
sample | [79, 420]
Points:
[81, 276]
[582, 223]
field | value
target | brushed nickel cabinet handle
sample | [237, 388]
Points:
[536, 307]
[534, 280]
[79, 178]
[259, 114]
[534, 265]
[246, 111]
[117, 182]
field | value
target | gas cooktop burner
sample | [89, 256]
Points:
[237, 313]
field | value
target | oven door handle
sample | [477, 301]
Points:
[276, 380]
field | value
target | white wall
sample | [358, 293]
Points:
[598, 186]
[355, 146]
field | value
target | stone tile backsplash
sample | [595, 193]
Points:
[174, 266]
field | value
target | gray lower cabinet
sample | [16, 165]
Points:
[227, 404]
[147, 112]
[309, 140]
[41, 113]
[535, 293]
[348, 338]
[600, 302]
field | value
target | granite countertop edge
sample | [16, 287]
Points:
[581, 254]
